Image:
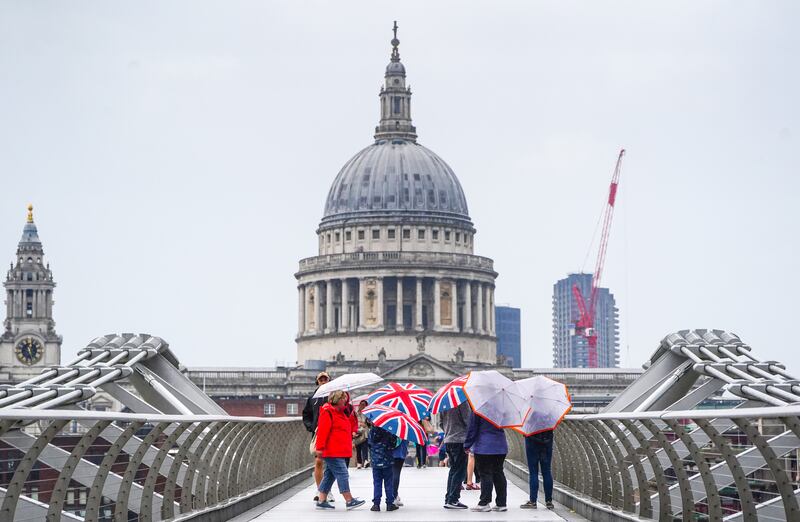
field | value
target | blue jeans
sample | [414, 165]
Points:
[382, 477]
[335, 469]
[458, 471]
[540, 457]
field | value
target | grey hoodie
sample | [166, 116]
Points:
[455, 422]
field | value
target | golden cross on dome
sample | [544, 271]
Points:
[30, 213]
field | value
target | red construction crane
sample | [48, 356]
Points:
[585, 324]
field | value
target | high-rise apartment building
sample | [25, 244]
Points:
[571, 350]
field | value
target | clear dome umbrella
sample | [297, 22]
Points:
[549, 401]
[347, 382]
[496, 398]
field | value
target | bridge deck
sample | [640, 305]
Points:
[422, 492]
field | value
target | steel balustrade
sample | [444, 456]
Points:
[162, 466]
[676, 465]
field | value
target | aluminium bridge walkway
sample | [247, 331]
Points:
[656, 452]
[422, 492]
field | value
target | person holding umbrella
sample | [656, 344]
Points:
[310, 418]
[334, 445]
[488, 443]
[539, 453]
[455, 422]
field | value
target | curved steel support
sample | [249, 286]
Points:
[687, 501]
[745, 494]
[782, 480]
[187, 488]
[712, 492]
[14, 489]
[223, 455]
[96, 491]
[247, 478]
[62, 483]
[146, 509]
[564, 440]
[121, 509]
[583, 468]
[645, 505]
[608, 441]
[206, 492]
[167, 505]
[228, 475]
[610, 469]
[597, 465]
[665, 510]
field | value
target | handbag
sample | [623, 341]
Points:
[312, 448]
[360, 438]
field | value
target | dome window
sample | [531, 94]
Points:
[435, 235]
[391, 198]
[376, 233]
[376, 200]
[416, 177]
[338, 237]
[421, 234]
[390, 233]
[361, 235]
[406, 233]
[447, 235]
[348, 235]
[458, 237]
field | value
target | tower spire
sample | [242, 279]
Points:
[395, 98]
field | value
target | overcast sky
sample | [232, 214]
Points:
[178, 155]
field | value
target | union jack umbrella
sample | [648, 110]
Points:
[449, 396]
[408, 398]
[395, 422]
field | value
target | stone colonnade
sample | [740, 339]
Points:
[40, 301]
[397, 303]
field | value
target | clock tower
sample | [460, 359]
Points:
[29, 340]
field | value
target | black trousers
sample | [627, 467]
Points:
[492, 477]
[397, 468]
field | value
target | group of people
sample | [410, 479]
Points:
[336, 426]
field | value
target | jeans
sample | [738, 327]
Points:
[540, 457]
[422, 455]
[335, 469]
[397, 467]
[458, 471]
[492, 476]
[383, 477]
[362, 453]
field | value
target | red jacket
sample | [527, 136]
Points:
[334, 433]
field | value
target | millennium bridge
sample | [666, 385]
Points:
[656, 452]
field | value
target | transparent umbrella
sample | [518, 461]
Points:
[549, 401]
[496, 398]
[347, 382]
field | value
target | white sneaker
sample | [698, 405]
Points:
[485, 508]
[330, 497]
[397, 502]
[500, 508]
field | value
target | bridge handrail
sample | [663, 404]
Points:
[729, 413]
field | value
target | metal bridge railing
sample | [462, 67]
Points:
[76, 465]
[736, 464]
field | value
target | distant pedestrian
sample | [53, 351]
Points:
[310, 417]
[539, 452]
[381, 449]
[455, 423]
[422, 456]
[488, 442]
[334, 445]
[360, 440]
[399, 456]
[473, 476]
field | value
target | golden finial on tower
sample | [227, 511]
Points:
[30, 213]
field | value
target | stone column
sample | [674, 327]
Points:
[381, 305]
[437, 303]
[301, 312]
[344, 325]
[361, 304]
[399, 314]
[468, 306]
[418, 318]
[479, 326]
[491, 310]
[329, 306]
[454, 305]
[318, 310]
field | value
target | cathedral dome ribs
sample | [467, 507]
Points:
[396, 274]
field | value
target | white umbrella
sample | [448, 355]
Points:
[496, 398]
[549, 401]
[347, 382]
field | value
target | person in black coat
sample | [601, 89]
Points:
[310, 418]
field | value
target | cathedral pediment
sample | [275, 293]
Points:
[420, 367]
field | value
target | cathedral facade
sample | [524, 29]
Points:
[29, 341]
[396, 275]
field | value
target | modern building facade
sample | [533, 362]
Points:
[29, 340]
[396, 273]
[571, 350]
[509, 346]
